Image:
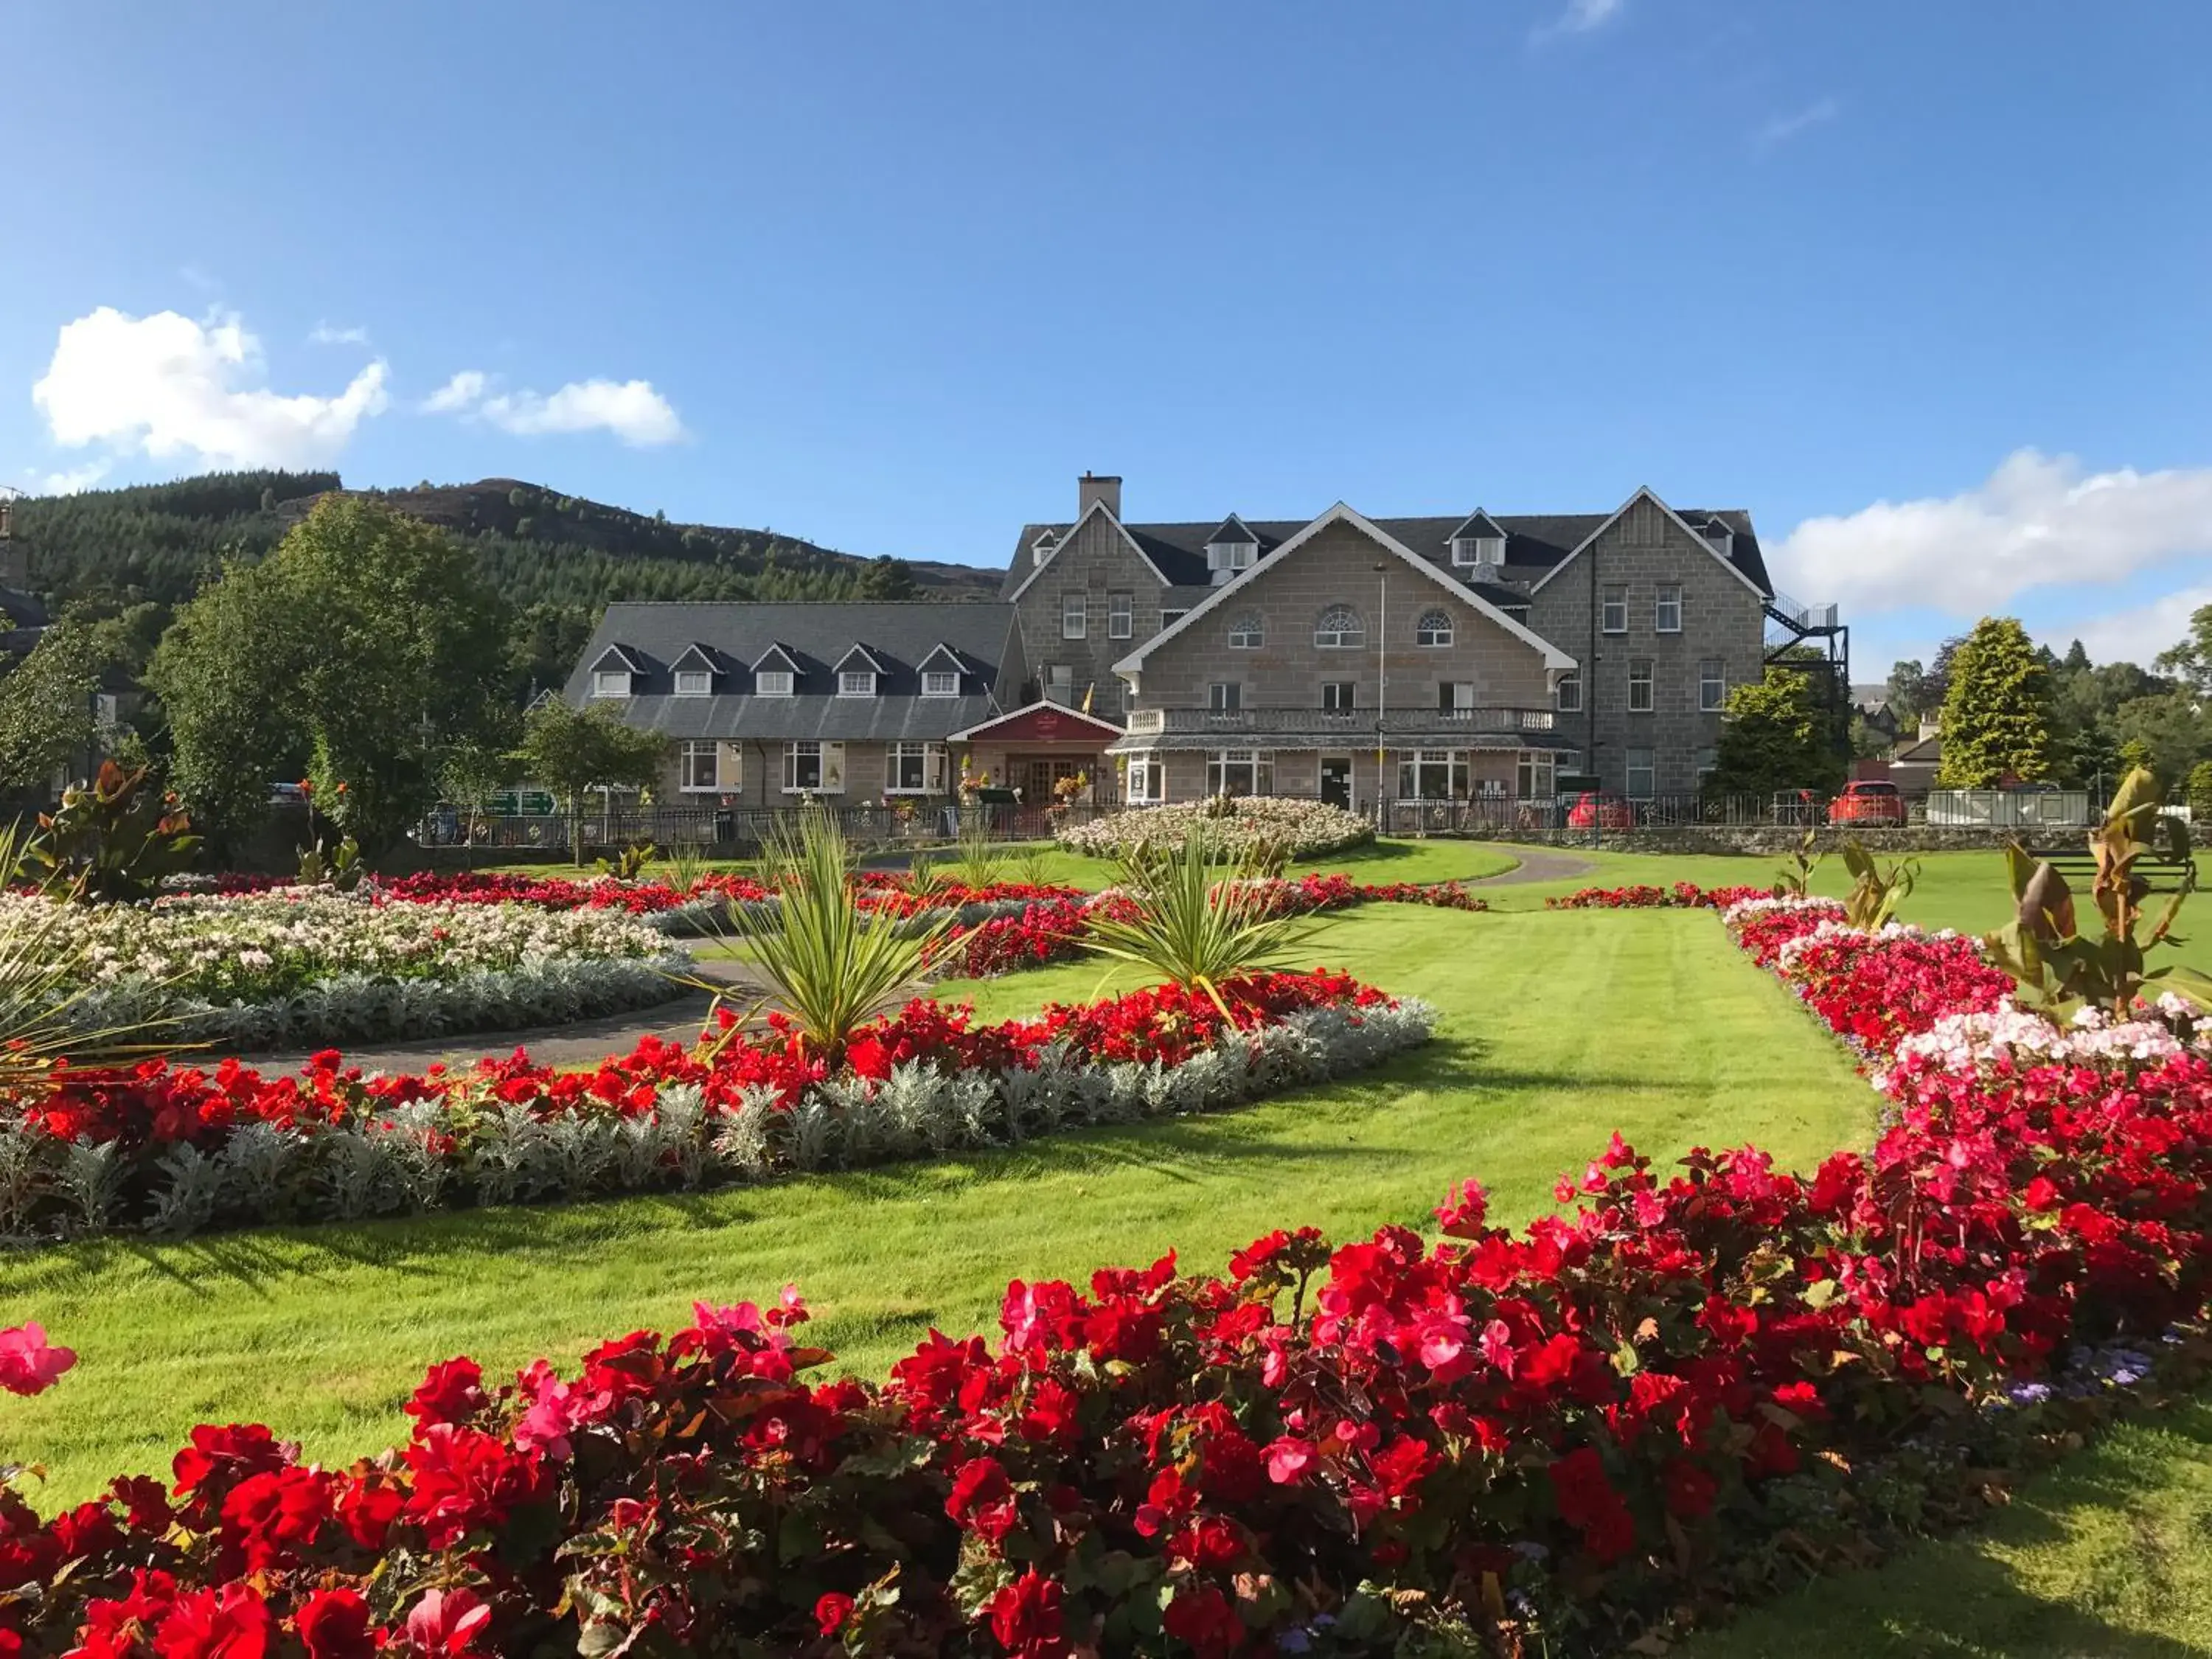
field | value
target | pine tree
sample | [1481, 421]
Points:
[1997, 711]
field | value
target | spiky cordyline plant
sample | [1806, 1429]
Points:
[41, 985]
[980, 863]
[831, 965]
[1194, 930]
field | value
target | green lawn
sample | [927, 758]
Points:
[1557, 1030]
[2103, 1555]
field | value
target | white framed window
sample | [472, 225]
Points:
[1431, 774]
[1248, 633]
[1339, 696]
[1120, 616]
[772, 682]
[699, 767]
[1567, 696]
[940, 683]
[1612, 611]
[1059, 682]
[695, 682]
[1074, 616]
[856, 682]
[1456, 698]
[1712, 685]
[1339, 629]
[802, 766]
[1224, 696]
[1435, 628]
[1640, 697]
[1667, 611]
[1240, 772]
[611, 682]
[1478, 549]
[1641, 777]
[1148, 779]
[914, 769]
[1231, 555]
[1533, 774]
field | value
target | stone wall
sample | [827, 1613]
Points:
[1096, 563]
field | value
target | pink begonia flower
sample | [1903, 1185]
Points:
[29, 1364]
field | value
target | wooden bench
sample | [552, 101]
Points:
[2159, 872]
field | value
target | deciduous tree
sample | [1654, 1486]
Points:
[1775, 735]
[569, 751]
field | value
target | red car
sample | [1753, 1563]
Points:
[1594, 811]
[1867, 802]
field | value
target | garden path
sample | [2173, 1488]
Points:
[580, 1042]
[1535, 867]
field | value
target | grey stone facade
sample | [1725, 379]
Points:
[1635, 712]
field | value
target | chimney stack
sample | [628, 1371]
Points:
[1093, 487]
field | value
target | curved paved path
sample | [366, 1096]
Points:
[584, 1041]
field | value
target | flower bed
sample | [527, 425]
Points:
[1544, 1440]
[1053, 928]
[1231, 828]
[301, 967]
[171, 1150]
[1682, 895]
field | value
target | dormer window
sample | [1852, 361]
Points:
[693, 682]
[772, 682]
[611, 682]
[939, 683]
[1720, 538]
[1041, 548]
[856, 683]
[1231, 549]
[1478, 543]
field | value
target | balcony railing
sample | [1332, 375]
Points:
[1350, 722]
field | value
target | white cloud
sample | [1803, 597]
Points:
[77, 478]
[324, 334]
[171, 388]
[631, 410]
[1580, 17]
[2137, 635]
[1782, 128]
[2038, 521]
[457, 394]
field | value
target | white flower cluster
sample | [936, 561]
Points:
[1302, 829]
[1744, 910]
[220, 964]
[2012, 1035]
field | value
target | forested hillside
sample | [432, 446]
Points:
[557, 560]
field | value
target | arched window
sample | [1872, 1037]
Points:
[1435, 628]
[1339, 629]
[1247, 632]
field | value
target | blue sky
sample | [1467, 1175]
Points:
[890, 276]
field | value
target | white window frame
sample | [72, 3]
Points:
[796, 752]
[1120, 616]
[1567, 694]
[1059, 683]
[1613, 610]
[695, 682]
[1643, 676]
[1258, 764]
[611, 682]
[1340, 637]
[1148, 779]
[689, 779]
[1350, 703]
[929, 768]
[1649, 769]
[1456, 698]
[1225, 697]
[1478, 551]
[775, 682]
[1712, 685]
[1413, 763]
[1249, 632]
[1667, 599]
[940, 683]
[856, 682]
[1535, 774]
[1427, 631]
[1074, 616]
[1231, 555]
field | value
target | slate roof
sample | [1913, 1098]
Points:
[817, 635]
[1533, 543]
